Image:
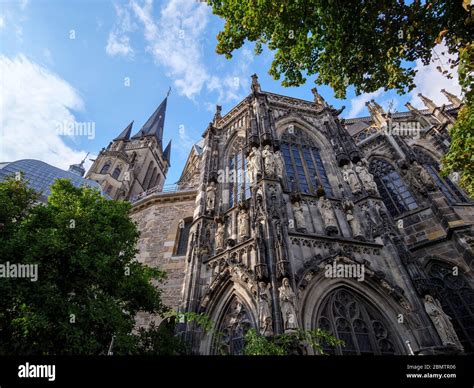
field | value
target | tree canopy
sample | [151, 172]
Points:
[89, 287]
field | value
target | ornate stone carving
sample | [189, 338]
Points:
[351, 178]
[288, 306]
[329, 218]
[366, 177]
[269, 161]
[211, 197]
[264, 309]
[220, 234]
[423, 175]
[254, 165]
[299, 216]
[353, 222]
[279, 164]
[243, 225]
[442, 322]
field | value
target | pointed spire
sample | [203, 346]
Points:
[416, 113]
[427, 102]
[155, 124]
[255, 84]
[318, 99]
[125, 134]
[453, 99]
[167, 153]
[217, 115]
[378, 114]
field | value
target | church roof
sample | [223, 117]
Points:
[155, 124]
[125, 134]
[40, 175]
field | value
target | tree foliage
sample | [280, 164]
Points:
[89, 286]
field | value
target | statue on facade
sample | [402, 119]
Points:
[279, 164]
[265, 310]
[288, 306]
[410, 177]
[366, 177]
[351, 178]
[220, 233]
[299, 216]
[327, 213]
[269, 161]
[353, 222]
[211, 197]
[423, 175]
[442, 322]
[243, 224]
[254, 165]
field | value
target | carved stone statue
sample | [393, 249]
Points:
[288, 306]
[351, 178]
[353, 222]
[279, 164]
[299, 216]
[243, 224]
[269, 161]
[254, 165]
[423, 175]
[442, 322]
[327, 213]
[366, 177]
[211, 197]
[220, 232]
[265, 311]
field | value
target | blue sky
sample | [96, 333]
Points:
[102, 64]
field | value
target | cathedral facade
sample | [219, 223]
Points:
[288, 217]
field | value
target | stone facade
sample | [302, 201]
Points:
[297, 218]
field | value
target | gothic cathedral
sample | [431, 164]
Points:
[288, 217]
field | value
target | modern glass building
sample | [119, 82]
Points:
[41, 175]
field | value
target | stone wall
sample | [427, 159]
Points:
[158, 219]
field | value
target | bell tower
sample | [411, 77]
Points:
[129, 166]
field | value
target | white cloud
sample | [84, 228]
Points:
[118, 42]
[2, 22]
[429, 81]
[175, 41]
[32, 103]
[358, 103]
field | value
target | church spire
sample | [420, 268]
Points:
[125, 134]
[453, 99]
[155, 124]
[427, 102]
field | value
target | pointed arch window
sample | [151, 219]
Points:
[362, 328]
[234, 324]
[447, 187]
[183, 236]
[149, 171]
[239, 185]
[116, 173]
[395, 193]
[304, 167]
[457, 300]
[105, 168]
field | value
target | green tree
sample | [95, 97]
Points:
[369, 44]
[288, 343]
[89, 286]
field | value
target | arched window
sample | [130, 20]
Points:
[395, 194]
[449, 189]
[149, 171]
[304, 167]
[153, 178]
[238, 183]
[116, 173]
[457, 300]
[183, 235]
[351, 319]
[234, 323]
[105, 168]
[155, 182]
